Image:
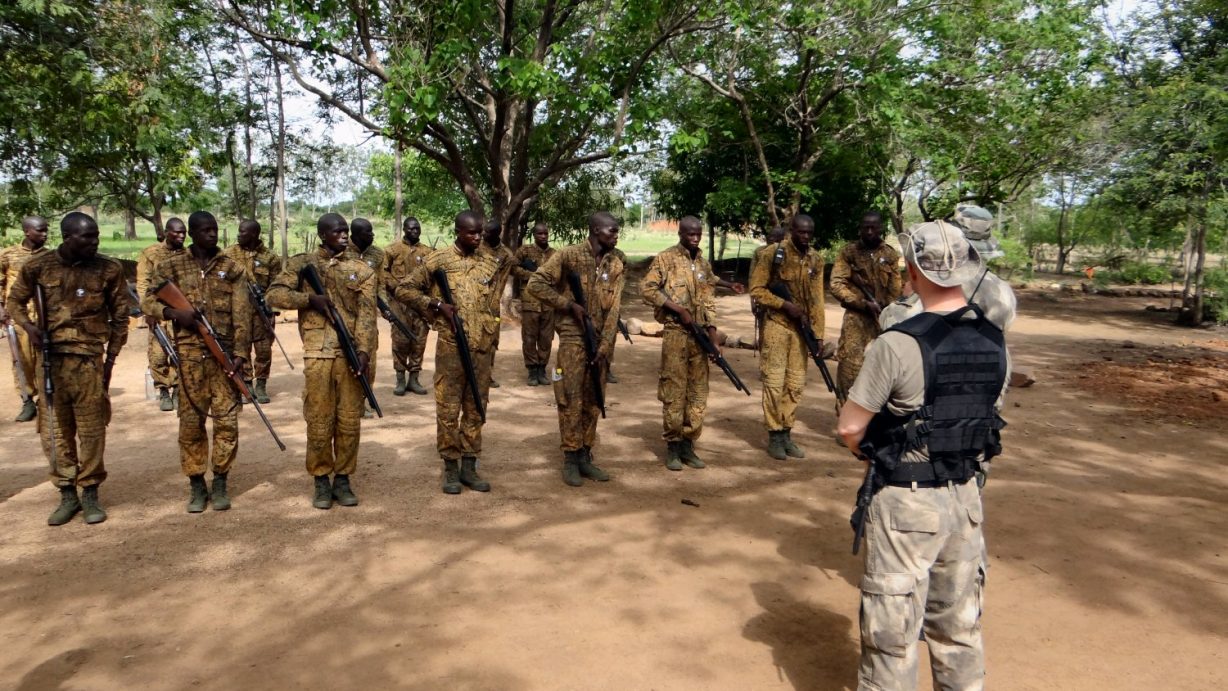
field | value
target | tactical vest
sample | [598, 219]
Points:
[965, 367]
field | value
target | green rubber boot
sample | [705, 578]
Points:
[199, 496]
[69, 506]
[793, 450]
[531, 380]
[323, 497]
[590, 471]
[543, 379]
[571, 468]
[451, 477]
[414, 386]
[609, 376]
[776, 445]
[342, 492]
[165, 402]
[687, 451]
[28, 411]
[261, 394]
[469, 475]
[221, 501]
[401, 384]
[91, 510]
[673, 457]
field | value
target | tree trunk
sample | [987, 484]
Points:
[234, 174]
[399, 198]
[1192, 305]
[1062, 254]
[711, 242]
[129, 225]
[247, 134]
[281, 162]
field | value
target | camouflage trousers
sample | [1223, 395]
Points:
[782, 371]
[536, 337]
[924, 570]
[332, 407]
[259, 366]
[206, 393]
[458, 426]
[682, 386]
[573, 393]
[164, 376]
[856, 333]
[81, 410]
[25, 350]
[407, 354]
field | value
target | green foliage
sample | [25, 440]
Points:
[1141, 273]
[1216, 281]
[1015, 258]
[428, 192]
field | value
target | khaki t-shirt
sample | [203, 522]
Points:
[894, 376]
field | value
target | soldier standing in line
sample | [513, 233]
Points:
[86, 301]
[923, 411]
[261, 265]
[782, 366]
[472, 278]
[34, 228]
[400, 259]
[536, 319]
[164, 376]
[362, 239]
[332, 394]
[680, 287]
[774, 235]
[492, 242]
[601, 273]
[216, 285]
[866, 266]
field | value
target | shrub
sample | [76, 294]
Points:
[1146, 274]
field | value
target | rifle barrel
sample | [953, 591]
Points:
[348, 349]
[590, 341]
[462, 341]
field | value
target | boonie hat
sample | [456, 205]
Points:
[977, 224]
[941, 253]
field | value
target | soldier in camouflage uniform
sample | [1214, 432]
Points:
[87, 319]
[782, 366]
[164, 376]
[400, 259]
[868, 265]
[261, 265]
[773, 237]
[601, 271]
[362, 237]
[216, 286]
[925, 560]
[34, 228]
[332, 394]
[536, 319]
[505, 260]
[473, 278]
[679, 286]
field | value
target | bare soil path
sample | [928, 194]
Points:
[1106, 526]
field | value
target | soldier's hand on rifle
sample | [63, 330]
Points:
[715, 344]
[151, 321]
[36, 336]
[108, 366]
[183, 318]
[239, 363]
[364, 364]
[792, 311]
[684, 315]
[577, 311]
[4, 316]
[873, 308]
[319, 303]
[448, 311]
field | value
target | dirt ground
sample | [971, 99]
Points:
[1106, 528]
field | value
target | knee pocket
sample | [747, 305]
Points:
[889, 614]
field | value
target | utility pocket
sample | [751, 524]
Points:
[889, 615]
[560, 390]
[915, 521]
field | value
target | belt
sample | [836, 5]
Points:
[928, 484]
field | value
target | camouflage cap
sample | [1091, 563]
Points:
[941, 253]
[977, 224]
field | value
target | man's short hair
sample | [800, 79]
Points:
[199, 218]
[75, 222]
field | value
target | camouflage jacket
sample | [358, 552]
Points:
[877, 269]
[261, 264]
[219, 291]
[675, 275]
[87, 303]
[600, 278]
[803, 273]
[348, 282]
[472, 280]
[505, 261]
[145, 262]
[374, 258]
[538, 256]
[11, 261]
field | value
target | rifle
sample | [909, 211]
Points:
[266, 314]
[393, 319]
[312, 277]
[18, 368]
[865, 494]
[528, 264]
[158, 332]
[44, 328]
[622, 329]
[856, 280]
[596, 378]
[169, 294]
[462, 341]
[781, 290]
[701, 337]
